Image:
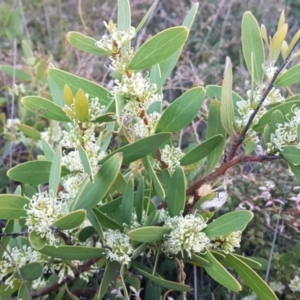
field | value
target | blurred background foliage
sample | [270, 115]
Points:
[32, 34]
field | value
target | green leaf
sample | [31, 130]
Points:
[73, 252]
[57, 80]
[141, 148]
[146, 17]
[107, 278]
[196, 260]
[291, 154]
[176, 193]
[4, 240]
[276, 118]
[201, 151]
[47, 149]
[148, 234]
[31, 271]
[29, 131]
[124, 14]
[12, 207]
[289, 77]
[227, 110]
[92, 193]
[160, 281]
[284, 108]
[33, 172]
[253, 47]
[160, 192]
[127, 203]
[182, 111]
[295, 170]
[25, 291]
[71, 220]
[250, 147]
[96, 223]
[55, 172]
[168, 65]
[251, 279]
[84, 43]
[214, 127]
[105, 221]
[36, 241]
[139, 200]
[248, 261]
[45, 108]
[85, 162]
[159, 48]
[14, 72]
[230, 222]
[220, 274]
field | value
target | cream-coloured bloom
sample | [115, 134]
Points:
[227, 242]
[171, 156]
[143, 130]
[12, 132]
[277, 286]
[270, 70]
[42, 210]
[117, 39]
[295, 284]
[185, 235]
[118, 246]
[250, 297]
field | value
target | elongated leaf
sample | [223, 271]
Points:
[182, 111]
[159, 190]
[291, 154]
[248, 261]
[93, 192]
[289, 77]
[85, 162]
[25, 290]
[108, 276]
[196, 260]
[141, 147]
[33, 172]
[295, 170]
[139, 200]
[96, 223]
[84, 43]
[176, 193]
[4, 240]
[12, 207]
[160, 281]
[55, 171]
[73, 252]
[127, 203]
[31, 271]
[105, 221]
[29, 131]
[57, 80]
[201, 150]
[71, 220]
[230, 222]
[214, 127]
[251, 279]
[220, 274]
[36, 241]
[124, 14]
[17, 73]
[159, 48]
[45, 108]
[168, 65]
[48, 150]
[284, 108]
[227, 110]
[276, 118]
[146, 17]
[277, 41]
[149, 234]
[253, 47]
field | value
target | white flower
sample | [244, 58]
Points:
[250, 297]
[295, 284]
[185, 235]
[270, 70]
[119, 246]
[119, 62]
[227, 242]
[14, 134]
[171, 156]
[42, 211]
[143, 130]
[118, 38]
[277, 286]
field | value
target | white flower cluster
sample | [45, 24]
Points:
[247, 107]
[42, 211]
[143, 130]
[295, 284]
[277, 286]
[285, 134]
[17, 90]
[171, 156]
[120, 61]
[51, 135]
[14, 256]
[250, 297]
[13, 134]
[185, 235]
[119, 246]
[117, 39]
[270, 70]
[227, 242]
